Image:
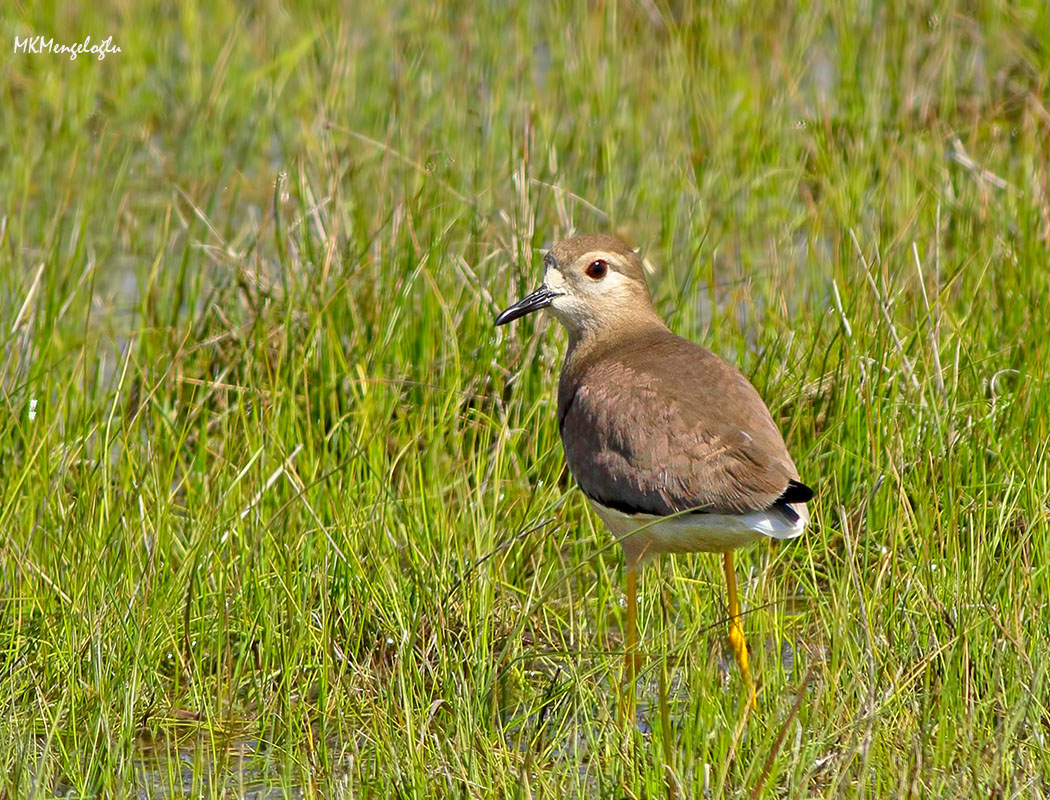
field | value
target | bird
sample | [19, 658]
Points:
[673, 447]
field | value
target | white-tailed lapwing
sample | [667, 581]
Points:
[672, 446]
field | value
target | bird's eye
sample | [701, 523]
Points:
[597, 269]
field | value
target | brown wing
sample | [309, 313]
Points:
[667, 426]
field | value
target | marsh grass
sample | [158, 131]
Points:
[283, 514]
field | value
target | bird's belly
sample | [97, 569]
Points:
[642, 535]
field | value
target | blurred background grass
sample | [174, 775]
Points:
[282, 513]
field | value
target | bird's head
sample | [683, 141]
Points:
[591, 283]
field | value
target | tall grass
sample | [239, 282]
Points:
[283, 514]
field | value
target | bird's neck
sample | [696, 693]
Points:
[589, 342]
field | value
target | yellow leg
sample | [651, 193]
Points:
[736, 629]
[630, 663]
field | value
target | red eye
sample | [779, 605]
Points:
[597, 269]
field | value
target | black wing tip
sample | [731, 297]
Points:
[796, 492]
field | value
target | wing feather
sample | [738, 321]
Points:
[667, 426]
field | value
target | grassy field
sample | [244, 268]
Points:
[284, 515]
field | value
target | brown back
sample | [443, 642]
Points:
[657, 424]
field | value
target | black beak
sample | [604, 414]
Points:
[541, 298]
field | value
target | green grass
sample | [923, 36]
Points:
[282, 511]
